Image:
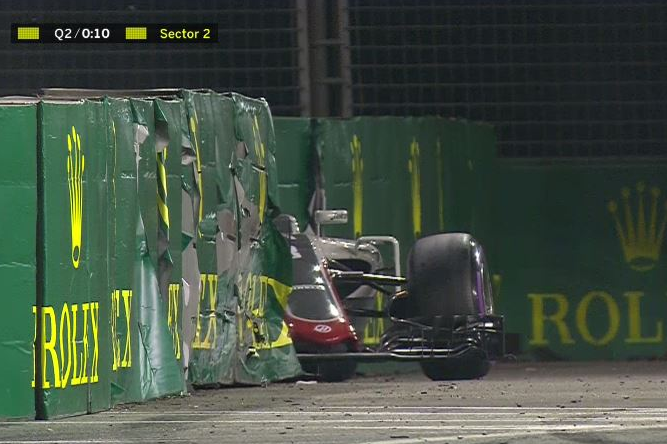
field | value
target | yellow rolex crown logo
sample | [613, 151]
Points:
[640, 232]
[75, 168]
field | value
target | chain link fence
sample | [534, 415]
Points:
[558, 79]
[256, 55]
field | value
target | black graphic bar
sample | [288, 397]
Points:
[114, 33]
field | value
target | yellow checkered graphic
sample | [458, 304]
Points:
[28, 33]
[135, 33]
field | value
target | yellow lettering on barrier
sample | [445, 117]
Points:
[59, 343]
[84, 312]
[115, 340]
[172, 317]
[209, 340]
[208, 286]
[634, 321]
[127, 354]
[196, 342]
[65, 368]
[50, 346]
[76, 379]
[34, 340]
[254, 294]
[94, 322]
[126, 362]
[614, 318]
[260, 328]
[558, 318]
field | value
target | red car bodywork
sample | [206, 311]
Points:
[324, 332]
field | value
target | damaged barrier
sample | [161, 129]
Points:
[146, 363]
[146, 253]
[242, 261]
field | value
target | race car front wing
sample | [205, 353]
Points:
[437, 337]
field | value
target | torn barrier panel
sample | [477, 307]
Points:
[229, 179]
[170, 136]
[294, 156]
[18, 219]
[75, 361]
[157, 370]
[106, 325]
[265, 350]
[144, 364]
[209, 265]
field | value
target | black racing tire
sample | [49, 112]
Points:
[441, 275]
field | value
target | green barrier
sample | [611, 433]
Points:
[145, 182]
[295, 172]
[233, 255]
[145, 364]
[171, 135]
[18, 198]
[212, 328]
[430, 172]
[123, 207]
[265, 350]
[75, 357]
[579, 250]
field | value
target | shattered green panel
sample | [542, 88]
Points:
[144, 362]
[18, 199]
[160, 373]
[229, 171]
[227, 237]
[295, 166]
[212, 324]
[171, 132]
[265, 350]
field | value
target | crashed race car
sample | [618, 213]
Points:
[441, 314]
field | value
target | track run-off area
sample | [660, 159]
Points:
[515, 403]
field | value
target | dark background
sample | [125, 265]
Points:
[559, 79]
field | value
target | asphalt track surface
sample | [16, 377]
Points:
[517, 403]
